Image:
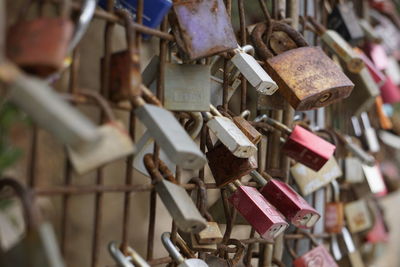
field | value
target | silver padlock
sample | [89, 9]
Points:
[229, 134]
[253, 72]
[126, 261]
[176, 256]
[353, 172]
[369, 134]
[175, 198]
[187, 87]
[375, 180]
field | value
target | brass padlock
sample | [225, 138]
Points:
[306, 77]
[39, 46]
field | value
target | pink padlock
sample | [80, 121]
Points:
[390, 92]
[377, 54]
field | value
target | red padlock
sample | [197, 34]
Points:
[319, 256]
[302, 145]
[287, 201]
[260, 214]
[390, 92]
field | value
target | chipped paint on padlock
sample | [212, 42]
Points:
[194, 20]
[303, 73]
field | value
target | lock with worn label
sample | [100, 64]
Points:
[358, 216]
[39, 247]
[317, 256]
[287, 201]
[229, 134]
[126, 260]
[175, 198]
[187, 87]
[375, 180]
[114, 142]
[248, 129]
[343, 19]
[302, 145]
[176, 256]
[190, 18]
[306, 76]
[261, 215]
[253, 72]
[334, 212]
[40, 45]
[339, 46]
[310, 181]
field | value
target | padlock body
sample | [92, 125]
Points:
[264, 218]
[226, 167]
[357, 215]
[318, 256]
[353, 172]
[308, 78]
[232, 137]
[208, 18]
[251, 132]
[390, 92]
[254, 73]
[379, 232]
[187, 87]
[290, 204]
[210, 235]
[377, 54]
[334, 217]
[374, 177]
[39, 46]
[308, 148]
[125, 78]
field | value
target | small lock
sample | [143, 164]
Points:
[229, 134]
[40, 45]
[307, 78]
[374, 177]
[175, 198]
[188, 20]
[126, 260]
[253, 72]
[261, 215]
[248, 129]
[176, 256]
[310, 181]
[353, 172]
[302, 145]
[334, 212]
[287, 201]
[358, 216]
[343, 19]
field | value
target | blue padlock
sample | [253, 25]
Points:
[153, 11]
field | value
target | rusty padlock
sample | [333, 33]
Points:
[40, 45]
[191, 17]
[260, 214]
[302, 145]
[248, 129]
[287, 201]
[214, 261]
[334, 211]
[317, 256]
[306, 76]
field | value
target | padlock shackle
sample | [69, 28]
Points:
[348, 240]
[365, 120]
[101, 102]
[277, 125]
[335, 191]
[258, 178]
[170, 247]
[319, 28]
[239, 251]
[158, 174]
[202, 190]
[118, 256]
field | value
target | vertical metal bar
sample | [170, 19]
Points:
[242, 20]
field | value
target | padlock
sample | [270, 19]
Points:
[379, 232]
[306, 76]
[175, 198]
[302, 145]
[339, 46]
[386, 30]
[40, 45]
[317, 256]
[384, 119]
[343, 19]
[114, 143]
[226, 167]
[358, 216]
[310, 181]
[126, 260]
[377, 54]
[248, 129]
[145, 145]
[369, 134]
[153, 10]
[253, 72]
[353, 255]
[375, 180]
[353, 172]
[211, 234]
[377, 74]
[176, 256]
[393, 70]
[364, 93]
[190, 18]
[214, 261]
[260, 214]
[229, 134]
[39, 247]
[390, 139]
[390, 92]
[187, 87]
[334, 212]
[287, 201]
